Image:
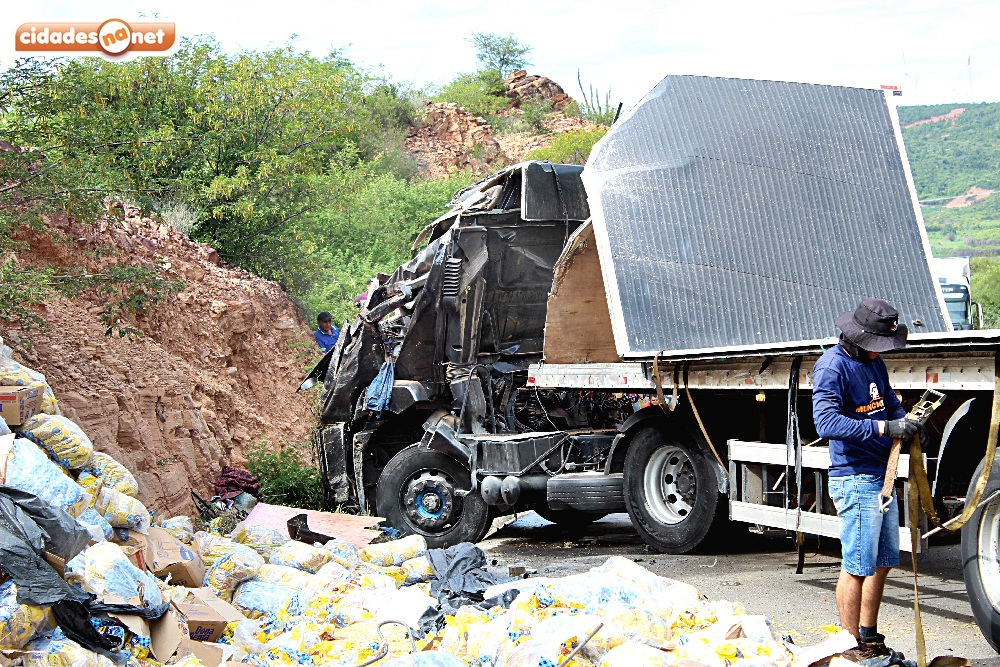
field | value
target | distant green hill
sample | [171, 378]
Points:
[947, 158]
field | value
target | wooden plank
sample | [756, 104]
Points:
[577, 322]
[349, 527]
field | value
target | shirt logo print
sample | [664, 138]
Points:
[873, 405]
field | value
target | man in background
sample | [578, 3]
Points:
[326, 334]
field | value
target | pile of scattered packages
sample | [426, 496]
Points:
[88, 578]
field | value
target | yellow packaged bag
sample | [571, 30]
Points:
[29, 469]
[181, 527]
[232, 569]
[212, 547]
[323, 587]
[256, 599]
[58, 651]
[395, 552]
[62, 439]
[189, 661]
[637, 655]
[301, 556]
[455, 638]
[552, 640]
[261, 539]
[289, 577]
[49, 404]
[104, 570]
[113, 474]
[625, 624]
[20, 622]
[395, 573]
[344, 553]
[122, 511]
[417, 570]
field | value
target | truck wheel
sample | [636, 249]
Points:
[416, 493]
[981, 563]
[671, 491]
[569, 518]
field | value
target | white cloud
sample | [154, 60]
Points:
[627, 45]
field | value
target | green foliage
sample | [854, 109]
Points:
[239, 138]
[256, 153]
[534, 113]
[56, 178]
[286, 477]
[986, 288]
[569, 147]
[481, 93]
[947, 159]
[970, 230]
[368, 231]
[500, 54]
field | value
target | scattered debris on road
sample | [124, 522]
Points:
[90, 578]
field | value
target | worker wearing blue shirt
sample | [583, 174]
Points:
[326, 334]
[855, 408]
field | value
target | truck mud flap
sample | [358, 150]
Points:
[586, 492]
[333, 465]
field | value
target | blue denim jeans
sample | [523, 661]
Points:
[868, 538]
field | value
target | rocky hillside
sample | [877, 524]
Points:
[214, 371]
[448, 137]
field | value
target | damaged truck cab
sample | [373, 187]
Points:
[462, 438]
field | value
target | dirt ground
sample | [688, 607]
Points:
[759, 571]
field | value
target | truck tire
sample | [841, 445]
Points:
[981, 562]
[416, 493]
[671, 491]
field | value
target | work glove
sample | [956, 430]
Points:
[903, 429]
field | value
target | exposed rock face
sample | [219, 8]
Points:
[214, 372]
[450, 138]
[521, 88]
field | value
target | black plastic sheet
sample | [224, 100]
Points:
[28, 528]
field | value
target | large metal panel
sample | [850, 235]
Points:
[740, 212]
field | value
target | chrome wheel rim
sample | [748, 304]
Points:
[429, 501]
[670, 485]
[988, 553]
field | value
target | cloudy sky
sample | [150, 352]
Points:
[936, 52]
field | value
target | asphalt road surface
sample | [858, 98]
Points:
[759, 571]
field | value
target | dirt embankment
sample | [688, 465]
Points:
[949, 117]
[214, 371]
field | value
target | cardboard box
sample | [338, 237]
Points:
[166, 633]
[211, 655]
[166, 555]
[134, 545]
[207, 615]
[19, 404]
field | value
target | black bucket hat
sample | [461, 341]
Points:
[874, 326]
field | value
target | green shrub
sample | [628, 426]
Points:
[536, 111]
[986, 288]
[369, 230]
[569, 147]
[481, 93]
[285, 476]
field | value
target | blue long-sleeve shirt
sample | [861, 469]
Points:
[849, 397]
[326, 341]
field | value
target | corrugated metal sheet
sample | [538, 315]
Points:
[740, 212]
